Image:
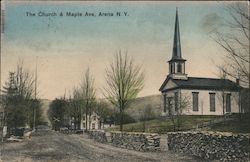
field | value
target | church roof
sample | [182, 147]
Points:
[176, 55]
[202, 84]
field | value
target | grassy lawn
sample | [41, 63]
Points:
[164, 125]
[235, 126]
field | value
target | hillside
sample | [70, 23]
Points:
[137, 106]
[45, 108]
[134, 110]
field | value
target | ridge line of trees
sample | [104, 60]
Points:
[124, 81]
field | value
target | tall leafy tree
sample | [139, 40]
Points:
[18, 94]
[88, 92]
[13, 103]
[104, 112]
[124, 80]
[75, 108]
[57, 113]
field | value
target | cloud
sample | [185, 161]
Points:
[211, 22]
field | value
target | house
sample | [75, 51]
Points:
[94, 122]
[193, 95]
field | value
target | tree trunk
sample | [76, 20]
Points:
[90, 121]
[223, 106]
[178, 122]
[75, 123]
[79, 122]
[121, 120]
[86, 120]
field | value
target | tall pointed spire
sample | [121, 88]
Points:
[177, 43]
[177, 63]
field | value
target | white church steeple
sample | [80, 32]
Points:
[177, 63]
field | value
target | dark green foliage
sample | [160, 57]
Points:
[34, 105]
[104, 112]
[126, 118]
[57, 113]
[15, 112]
[18, 103]
[73, 111]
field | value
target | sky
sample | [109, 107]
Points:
[65, 46]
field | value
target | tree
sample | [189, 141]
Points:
[25, 82]
[81, 101]
[18, 93]
[104, 112]
[87, 91]
[124, 81]
[233, 37]
[221, 95]
[146, 114]
[75, 108]
[34, 105]
[182, 102]
[57, 112]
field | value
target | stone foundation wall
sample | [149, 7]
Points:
[210, 145]
[98, 135]
[136, 141]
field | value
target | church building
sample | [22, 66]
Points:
[194, 95]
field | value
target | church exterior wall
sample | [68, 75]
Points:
[203, 102]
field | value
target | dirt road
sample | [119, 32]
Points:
[50, 146]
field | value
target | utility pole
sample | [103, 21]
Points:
[34, 122]
[1, 96]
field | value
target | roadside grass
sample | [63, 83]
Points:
[165, 125]
[239, 125]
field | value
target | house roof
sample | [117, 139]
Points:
[202, 83]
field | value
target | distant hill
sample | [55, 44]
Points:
[134, 110]
[137, 106]
[45, 108]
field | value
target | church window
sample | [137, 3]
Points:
[228, 103]
[183, 67]
[164, 103]
[173, 69]
[179, 68]
[195, 101]
[1, 115]
[170, 105]
[93, 125]
[212, 102]
[176, 101]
